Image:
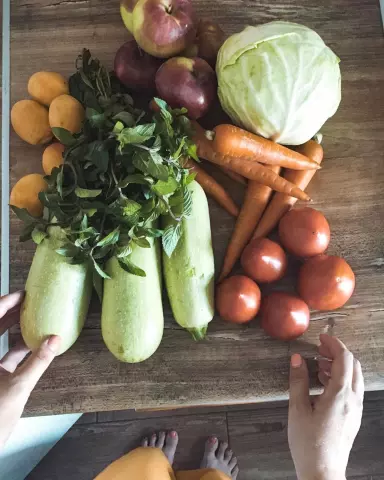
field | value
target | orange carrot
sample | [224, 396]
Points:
[256, 199]
[280, 203]
[235, 176]
[213, 188]
[236, 142]
[246, 168]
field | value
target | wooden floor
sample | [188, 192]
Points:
[257, 433]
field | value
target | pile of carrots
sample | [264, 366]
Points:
[244, 156]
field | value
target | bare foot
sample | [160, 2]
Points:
[217, 455]
[167, 442]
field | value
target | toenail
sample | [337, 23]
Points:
[213, 440]
[173, 434]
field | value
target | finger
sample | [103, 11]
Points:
[323, 378]
[358, 379]
[324, 351]
[16, 355]
[30, 373]
[342, 365]
[8, 302]
[299, 384]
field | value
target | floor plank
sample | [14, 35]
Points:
[257, 433]
[86, 449]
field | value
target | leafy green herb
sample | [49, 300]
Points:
[120, 174]
[171, 238]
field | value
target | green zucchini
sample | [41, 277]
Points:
[57, 295]
[132, 320]
[189, 272]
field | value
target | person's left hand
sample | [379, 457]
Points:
[16, 384]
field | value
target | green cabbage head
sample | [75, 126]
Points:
[279, 80]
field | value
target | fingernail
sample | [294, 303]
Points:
[296, 360]
[212, 440]
[53, 343]
[173, 434]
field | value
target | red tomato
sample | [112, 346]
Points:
[264, 261]
[284, 316]
[238, 299]
[304, 232]
[326, 282]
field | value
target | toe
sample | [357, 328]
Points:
[222, 448]
[152, 441]
[172, 439]
[160, 440]
[211, 446]
[228, 455]
[235, 473]
[144, 442]
[233, 463]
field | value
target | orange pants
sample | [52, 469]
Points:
[151, 464]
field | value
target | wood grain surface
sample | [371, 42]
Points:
[257, 434]
[235, 364]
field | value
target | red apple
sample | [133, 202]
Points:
[209, 38]
[164, 28]
[126, 11]
[187, 82]
[134, 68]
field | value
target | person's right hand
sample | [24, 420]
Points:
[321, 434]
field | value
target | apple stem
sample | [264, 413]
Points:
[169, 9]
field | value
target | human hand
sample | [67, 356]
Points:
[16, 384]
[321, 433]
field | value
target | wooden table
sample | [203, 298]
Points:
[235, 365]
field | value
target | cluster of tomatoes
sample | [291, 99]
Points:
[326, 282]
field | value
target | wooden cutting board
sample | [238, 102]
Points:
[235, 364]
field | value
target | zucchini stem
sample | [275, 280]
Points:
[198, 333]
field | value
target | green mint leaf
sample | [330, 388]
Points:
[26, 233]
[99, 270]
[64, 136]
[156, 157]
[154, 232]
[90, 211]
[161, 103]
[171, 237]
[130, 267]
[192, 151]
[190, 178]
[96, 119]
[118, 128]
[122, 252]
[138, 134]
[142, 242]
[187, 203]
[130, 207]
[137, 178]
[68, 250]
[38, 235]
[156, 144]
[127, 118]
[110, 239]
[24, 215]
[101, 252]
[165, 188]
[144, 162]
[98, 155]
[177, 154]
[86, 193]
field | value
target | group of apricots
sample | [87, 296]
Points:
[33, 119]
